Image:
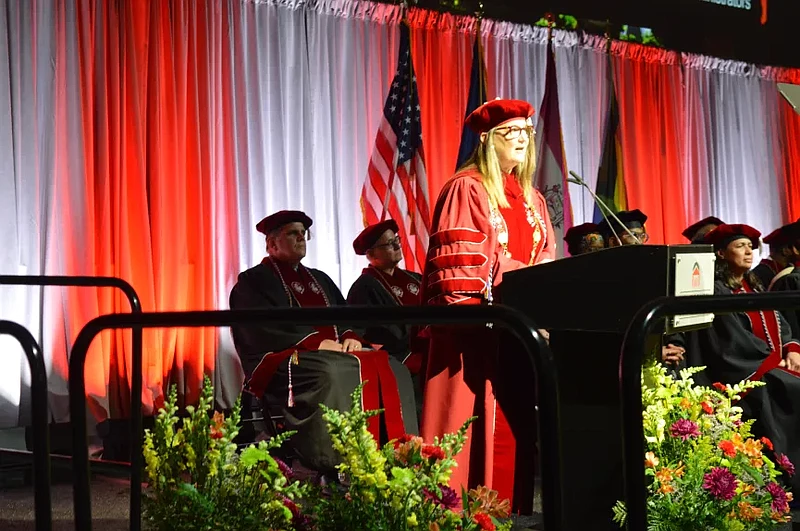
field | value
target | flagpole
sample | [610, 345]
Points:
[390, 183]
[482, 73]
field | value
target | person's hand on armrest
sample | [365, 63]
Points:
[351, 345]
[791, 361]
[330, 344]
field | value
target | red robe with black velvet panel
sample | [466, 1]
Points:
[465, 263]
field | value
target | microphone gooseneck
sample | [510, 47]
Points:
[577, 179]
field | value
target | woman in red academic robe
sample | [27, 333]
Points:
[488, 220]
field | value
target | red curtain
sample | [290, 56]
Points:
[648, 82]
[441, 45]
[145, 95]
[790, 148]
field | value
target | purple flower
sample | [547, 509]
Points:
[780, 502]
[684, 429]
[448, 500]
[720, 483]
[284, 468]
[785, 464]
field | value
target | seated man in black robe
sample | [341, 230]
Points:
[383, 283]
[631, 232]
[584, 238]
[697, 231]
[299, 367]
[788, 279]
[783, 252]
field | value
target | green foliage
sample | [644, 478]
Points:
[705, 469]
[567, 22]
[403, 486]
[198, 482]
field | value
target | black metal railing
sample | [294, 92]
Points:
[136, 362]
[39, 418]
[538, 354]
[648, 322]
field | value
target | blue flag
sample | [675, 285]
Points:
[476, 98]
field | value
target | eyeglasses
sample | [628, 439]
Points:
[643, 237]
[512, 132]
[396, 243]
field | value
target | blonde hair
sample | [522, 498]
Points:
[484, 158]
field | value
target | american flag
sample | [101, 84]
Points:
[396, 186]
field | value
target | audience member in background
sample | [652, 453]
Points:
[615, 234]
[697, 231]
[755, 345]
[384, 283]
[783, 252]
[584, 238]
[297, 367]
[788, 278]
[488, 220]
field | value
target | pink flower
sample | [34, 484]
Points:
[780, 502]
[720, 483]
[684, 429]
[448, 500]
[785, 464]
[284, 468]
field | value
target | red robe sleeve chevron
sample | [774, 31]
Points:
[464, 256]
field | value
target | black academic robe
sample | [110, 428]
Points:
[369, 291]
[734, 349]
[766, 270]
[789, 282]
[300, 376]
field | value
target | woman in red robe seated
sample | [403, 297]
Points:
[488, 220]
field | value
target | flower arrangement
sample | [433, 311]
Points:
[707, 470]
[198, 481]
[403, 486]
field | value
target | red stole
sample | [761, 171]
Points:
[303, 290]
[403, 288]
[527, 234]
[766, 326]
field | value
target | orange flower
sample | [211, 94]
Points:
[728, 448]
[752, 448]
[737, 441]
[680, 470]
[218, 426]
[666, 488]
[685, 404]
[767, 443]
[650, 460]
[746, 489]
[748, 512]
[757, 462]
[664, 475]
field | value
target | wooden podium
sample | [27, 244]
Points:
[587, 303]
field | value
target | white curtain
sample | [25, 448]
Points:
[732, 114]
[27, 155]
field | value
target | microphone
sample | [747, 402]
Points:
[576, 179]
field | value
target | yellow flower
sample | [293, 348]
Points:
[412, 520]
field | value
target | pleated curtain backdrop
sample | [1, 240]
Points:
[146, 139]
